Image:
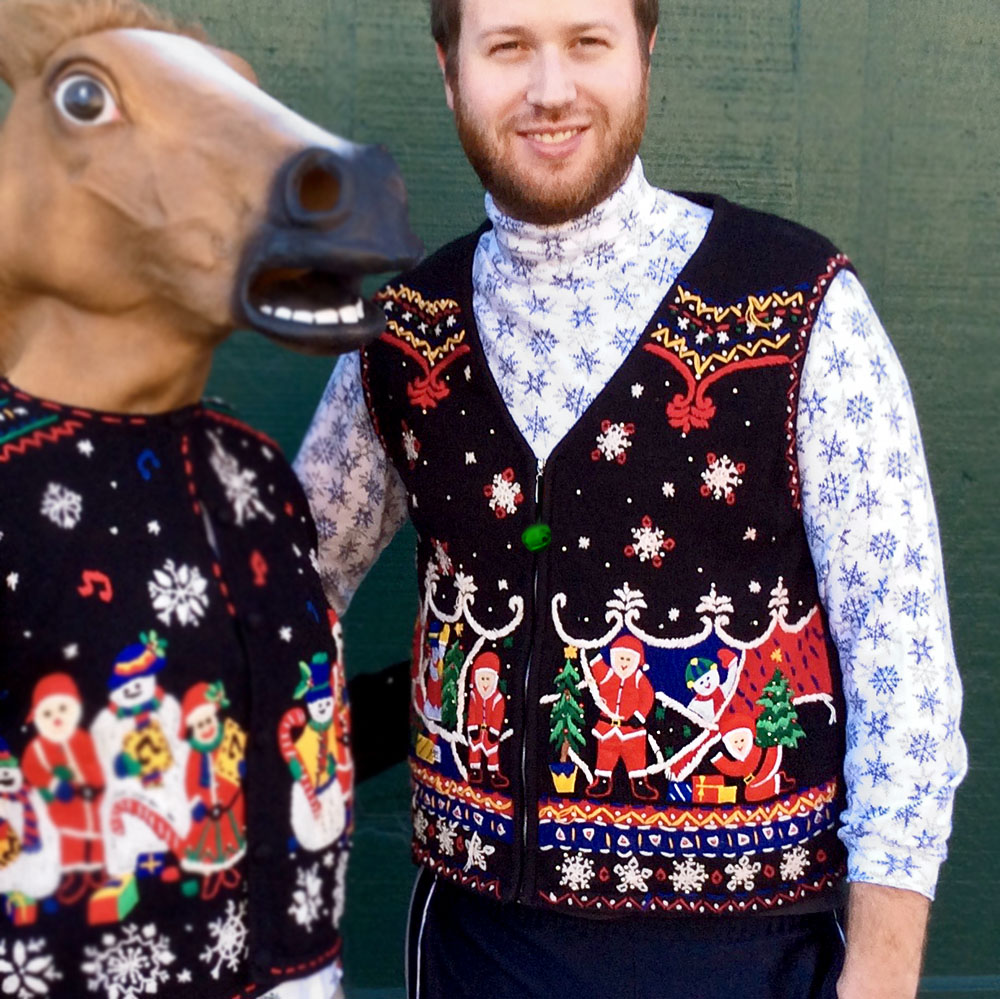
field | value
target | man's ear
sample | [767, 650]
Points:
[442, 59]
[652, 40]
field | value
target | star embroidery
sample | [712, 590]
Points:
[153, 527]
[86, 448]
[674, 613]
[502, 584]
[751, 534]
[12, 580]
[285, 634]
[637, 390]
[668, 490]
[470, 457]
[584, 543]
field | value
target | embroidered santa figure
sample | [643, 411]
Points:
[29, 842]
[145, 814]
[214, 784]
[758, 768]
[624, 698]
[484, 721]
[708, 686]
[313, 743]
[61, 761]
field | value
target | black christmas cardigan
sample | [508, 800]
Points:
[664, 534]
[184, 827]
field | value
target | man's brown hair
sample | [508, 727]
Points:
[446, 23]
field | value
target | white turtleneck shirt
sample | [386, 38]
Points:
[558, 308]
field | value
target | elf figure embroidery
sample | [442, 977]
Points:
[29, 843]
[711, 690]
[312, 741]
[214, 784]
[144, 814]
[61, 761]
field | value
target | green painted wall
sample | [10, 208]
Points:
[874, 121]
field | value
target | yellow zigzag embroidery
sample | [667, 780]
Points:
[431, 354]
[754, 307]
[701, 364]
[678, 818]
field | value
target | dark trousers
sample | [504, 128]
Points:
[461, 946]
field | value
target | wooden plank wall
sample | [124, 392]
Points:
[874, 121]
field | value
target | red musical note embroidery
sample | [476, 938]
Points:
[92, 579]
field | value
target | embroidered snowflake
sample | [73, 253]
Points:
[669, 490]
[613, 441]
[633, 877]
[750, 534]
[674, 613]
[411, 446]
[307, 898]
[743, 873]
[576, 872]
[689, 876]
[86, 448]
[447, 834]
[722, 477]
[229, 946]
[25, 970]
[62, 506]
[650, 543]
[753, 586]
[238, 484]
[504, 493]
[178, 590]
[584, 543]
[12, 580]
[478, 852]
[470, 457]
[131, 966]
[420, 824]
[637, 390]
[794, 863]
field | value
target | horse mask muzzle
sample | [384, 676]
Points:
[333, 217]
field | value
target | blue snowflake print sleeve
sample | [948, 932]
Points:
[873, 534]
[356, 496]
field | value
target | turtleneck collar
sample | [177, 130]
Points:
[615, 220]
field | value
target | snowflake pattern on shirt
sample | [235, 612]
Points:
[866, 502]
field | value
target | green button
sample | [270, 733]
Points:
[537, 537]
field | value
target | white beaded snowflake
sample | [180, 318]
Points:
[722, 477]
[688, 876]
[743, 873]
[576, 872]
[633, 877]
[613, 441]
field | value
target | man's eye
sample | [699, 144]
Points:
[590, 42]
[503, 48]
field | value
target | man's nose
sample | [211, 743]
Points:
[552, 84]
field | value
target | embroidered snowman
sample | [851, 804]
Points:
[145, 810]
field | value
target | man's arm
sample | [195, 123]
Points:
[872, 531]
[356, 496]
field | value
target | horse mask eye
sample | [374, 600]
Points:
[85, 100]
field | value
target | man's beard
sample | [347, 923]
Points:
[552, 202]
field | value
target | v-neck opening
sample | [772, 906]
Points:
[717, 203]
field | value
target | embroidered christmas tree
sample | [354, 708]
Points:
[449, 687]
[778, 724]
[566, 717]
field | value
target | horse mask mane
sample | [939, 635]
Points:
[145, 176]
[31, 30]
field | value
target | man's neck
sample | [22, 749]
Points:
[121, 364]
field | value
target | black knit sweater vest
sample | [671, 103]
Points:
[625, 697]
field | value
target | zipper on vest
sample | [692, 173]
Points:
[522, 854]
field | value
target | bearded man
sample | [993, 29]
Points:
[614, 404]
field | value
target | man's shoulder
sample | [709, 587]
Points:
[759, 249]
[440, 274]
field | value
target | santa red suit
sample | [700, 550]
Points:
[69, 777]
[485, 718]
[758, 768]
[624, 705]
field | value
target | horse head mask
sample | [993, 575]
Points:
[145, 176]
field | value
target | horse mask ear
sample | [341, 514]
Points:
[23, 30]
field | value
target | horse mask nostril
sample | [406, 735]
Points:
[314, 187]
[319, 190]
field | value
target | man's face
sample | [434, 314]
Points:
[739, 742]
[624, 662]
[550, 101]
[57, 717]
